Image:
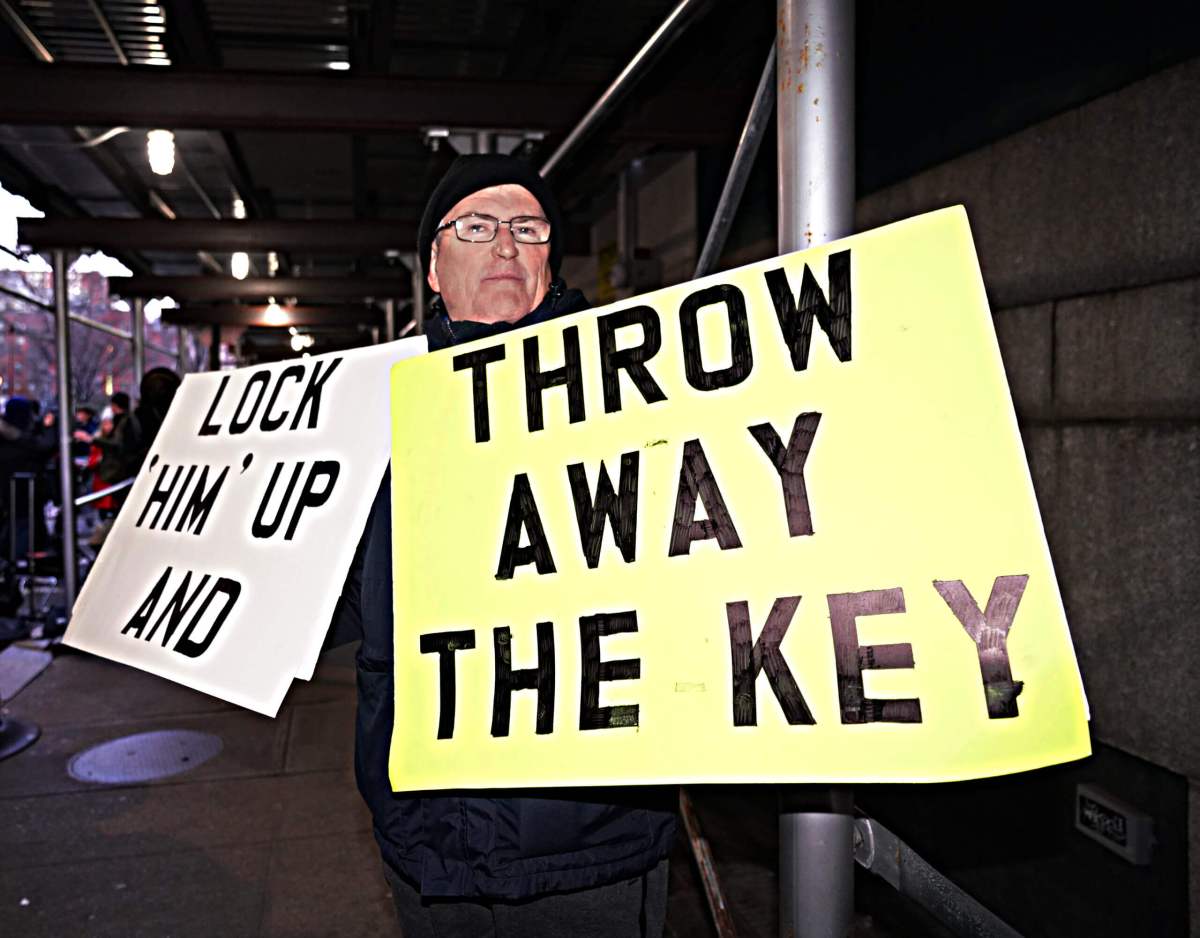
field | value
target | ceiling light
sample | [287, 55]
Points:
[160, 150]
[340, 66]
[153, 19]
[239, 265]
[152, 11]
[275, 315]
[156, 29]
[239, 208]
[300, 342]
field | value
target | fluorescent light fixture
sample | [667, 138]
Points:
[300, 341]
[160, 150]
[152, 11]
[339, 66]
[239, 208]
[239, 265]
[275, 315]
[154, 20]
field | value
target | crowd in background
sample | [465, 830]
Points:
[108, 446]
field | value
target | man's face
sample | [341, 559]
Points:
[500, 280]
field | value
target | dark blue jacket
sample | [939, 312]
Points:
[498, 844]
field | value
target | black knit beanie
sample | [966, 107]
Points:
[469, 174]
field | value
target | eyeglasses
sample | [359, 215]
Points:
[479, 229]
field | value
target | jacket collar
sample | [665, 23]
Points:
[442, 331]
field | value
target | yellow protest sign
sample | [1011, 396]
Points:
[772, 525]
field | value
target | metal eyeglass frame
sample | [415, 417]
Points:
[453, 223]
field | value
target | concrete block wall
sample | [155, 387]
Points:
[1088, 236]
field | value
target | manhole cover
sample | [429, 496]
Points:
[144, 757]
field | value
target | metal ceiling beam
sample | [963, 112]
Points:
[228, 314]
[212, 289]
[143, 96]
[252, 235]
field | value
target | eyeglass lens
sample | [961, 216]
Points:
[527, 229]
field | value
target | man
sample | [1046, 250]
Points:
[569, 862]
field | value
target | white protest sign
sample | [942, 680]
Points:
[225, 564]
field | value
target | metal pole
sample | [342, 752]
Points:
[418, 296]
[658, 43]
[886, 855]
[66, 468]
[181, 348]
[627, 225]
[815, 121]
[139, 338]
[389, 320]
[815, 124]
[214, 349]
[104, 327]
[739, 169]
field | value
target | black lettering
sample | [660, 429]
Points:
[632, 360]
[270, 422]
[310, 400]
[739, 338]
[789, 463]
[159, 495]
[795, 318]
[191, 648]
[696, 480]
[591, 629]
[207, 428]
[183, 490]
[989, 631]
[852, 659]
[258, 528]
[177, 607]
[540, 678]
[478, 361]
[444, 645]
[523, 517]
[537, 381]
[259, 379]
[325, 470]
[141, 618]
[748, 658]
[620, 508]
[200, 503]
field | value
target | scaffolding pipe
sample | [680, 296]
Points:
[25, 298]
[389, 320]
[109, 32]
[739, 169]
[627, 225]
[139, 338]
[101, 327]
[815, 121]
[649, 53]
[418, 296]
[815, 124]
[181, 349]
[66, 468]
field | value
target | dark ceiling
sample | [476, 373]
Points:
[314, 109]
